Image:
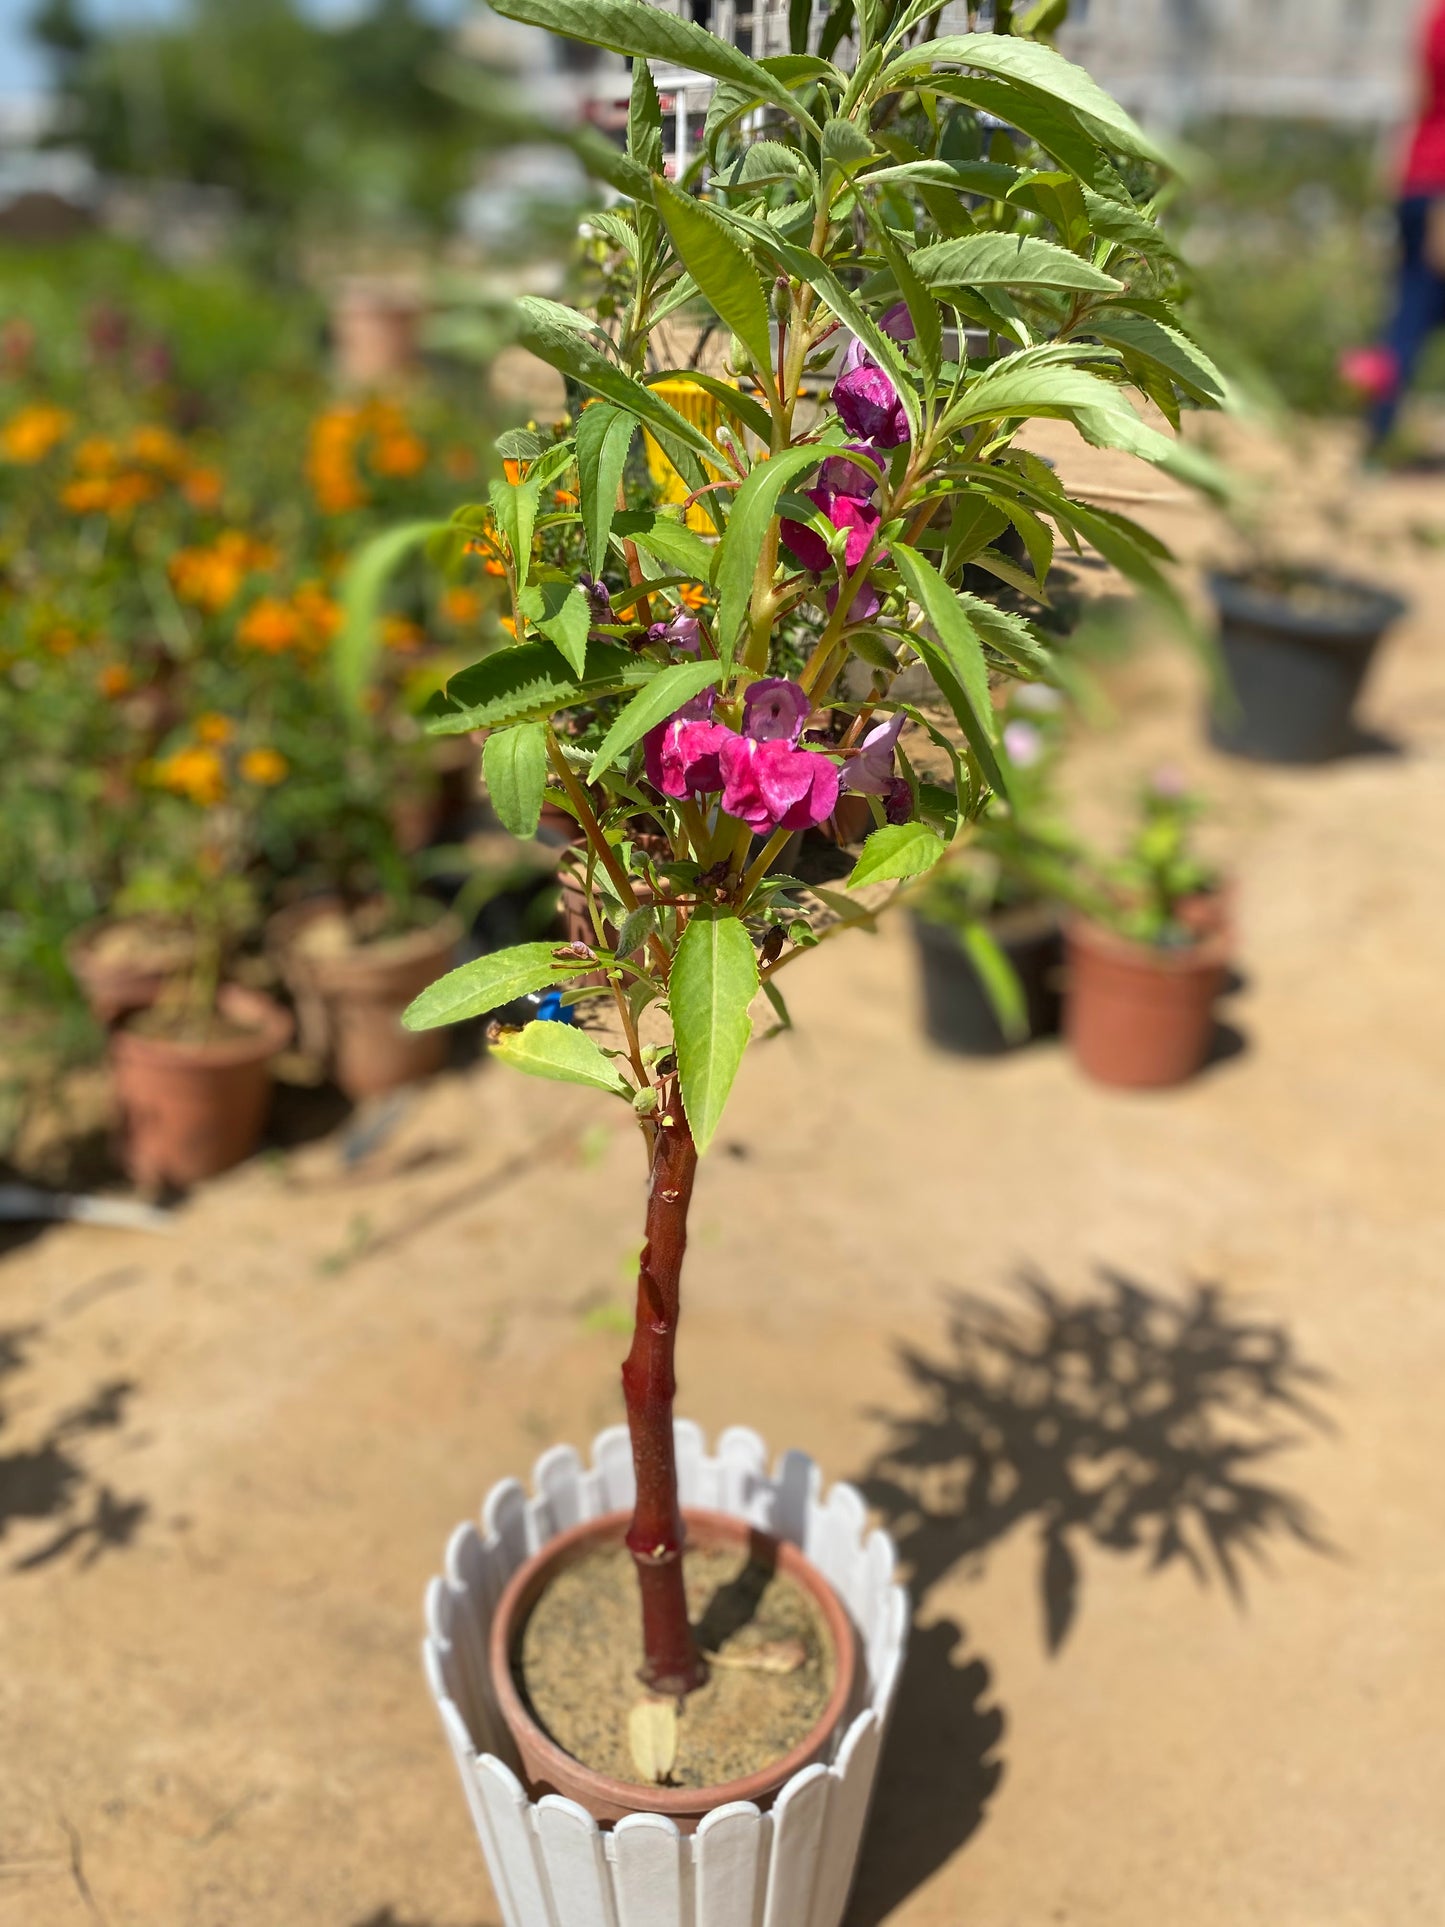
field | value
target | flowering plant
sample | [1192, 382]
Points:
[696, 700]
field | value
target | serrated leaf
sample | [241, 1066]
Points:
[604, 439]
[668, 690]
[564, 615]
[897, 850]
[1008, 261]
[845, 144]
[714, 979]
[514, 765]
[754, 506]
[720, 265]
[484, 985]
[1180, 358]
[644, 121]
[562, 1052]
[629, 28]
[528, 683]
[667, 538]
[637, 927]
[1053, 128]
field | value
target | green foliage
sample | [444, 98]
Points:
[714, 979]
[475, 989]
[558, 1051]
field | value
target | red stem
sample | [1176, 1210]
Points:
[672, 1664]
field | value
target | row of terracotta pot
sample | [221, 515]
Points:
[1136, 1016]
[193, 1101]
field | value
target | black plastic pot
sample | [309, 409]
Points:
[957, 1014]
[1295, 670]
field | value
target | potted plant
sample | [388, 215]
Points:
[1296, 645]
[987, 926]
[192, 1069]
[593, 1637]
[1147, 962]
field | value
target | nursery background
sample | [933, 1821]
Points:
[1132, 1340]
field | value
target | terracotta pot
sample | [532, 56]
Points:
[376, 329]
[283, 931]
[851, 821]
[115, 986]
[1138, 1017]
[366, 988]
[548, 1769]
[557, 826]
[191, 1110]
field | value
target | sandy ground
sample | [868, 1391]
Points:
[1150, 1385]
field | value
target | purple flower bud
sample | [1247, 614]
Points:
[865, 604]
[774, 710]
[897, 324]
[681, 632]
[598, 595]
[870, 772]
[772, 785]
[867, 402]
[839, 476]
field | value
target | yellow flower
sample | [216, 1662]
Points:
[691, 596]
[96, 455]
[212, 576]
[32, 432]
[87, 495]
[461, 604]
[265, 767]
[215, 728]
[196, 773]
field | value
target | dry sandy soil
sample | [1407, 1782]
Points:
[1151, 1386]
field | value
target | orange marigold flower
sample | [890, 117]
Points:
[460, 604]
[564, 498]
[265, 767]
[320, 614]
[214, 728]
[211, 577]
[115, 680]
[87, 495]
[129, 489]
[508, 624]
[61, 641]
[691, 596]
[494, 566]
[403, 635]
[196, 773]
[271, 625]
[203, 487]
[33, 431]
[155, 445]
[96, 455]
[399, 452]
[512, 470]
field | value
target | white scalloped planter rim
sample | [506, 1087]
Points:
[551, 1864]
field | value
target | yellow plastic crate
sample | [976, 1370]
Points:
[704, 411]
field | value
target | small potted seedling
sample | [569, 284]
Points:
[699, 1653]
[1148, 960]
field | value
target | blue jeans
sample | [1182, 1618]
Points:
[1419, 309]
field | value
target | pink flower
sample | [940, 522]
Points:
[870, 772]
[867, 402]
[774, 709]
[1024, 744]
[773, 785]
[843, 477]
[859, 518]
[682, 754]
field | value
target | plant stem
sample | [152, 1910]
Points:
[671, 1664]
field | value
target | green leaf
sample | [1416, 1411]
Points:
[1008, 261]
[722, 268]
[559, 1051]
[737, 557]
[955, 660]
[563, 614]
[668, 690]
[714, 979]
[489, 982]
[514, 504]
[999, 979]
[1007, 633]
[897, 850]
[550, 331]
[1053, 128]
[746, 408]
[846, 145]
[628, 27]
[354, 649]
[1165, 347]
[528, 682]
[604, 439]
[644, 121]
[669, 539]
[1044, 73]
[514, 763]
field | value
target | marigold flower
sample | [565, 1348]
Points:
[96, 455]
[264, 767]
[320, 614]
[211, 577]
[155, 445]
[271, 625]
[115, 680]
[196, 773]
[461, 605]
[512, 470]
[214, 728]
[203, 487]
[692, 596]
[61, 641]
[87, 495]
[401, 634]
[399, 453]
[564, 498]
[31, 433]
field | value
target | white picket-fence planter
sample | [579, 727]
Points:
[551, 1864]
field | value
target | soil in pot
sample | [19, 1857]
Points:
[1139, 1017]
[565, 1648]
[125, 965]
[1296, 646]
[368, 970]
[957, 1013]
[193, 1094]
[772, 1665]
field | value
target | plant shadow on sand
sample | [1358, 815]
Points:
[48, 1480]
[1126, 1420]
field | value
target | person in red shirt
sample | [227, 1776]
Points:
[1382, 373]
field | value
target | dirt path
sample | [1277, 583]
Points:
[1165, 1455]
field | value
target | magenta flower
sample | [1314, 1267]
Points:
[870, 772]
[867, 401]
[681, 632]
[841, 477]
[775, 709]
[681, 755]
[773, 785]
[860, 519]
